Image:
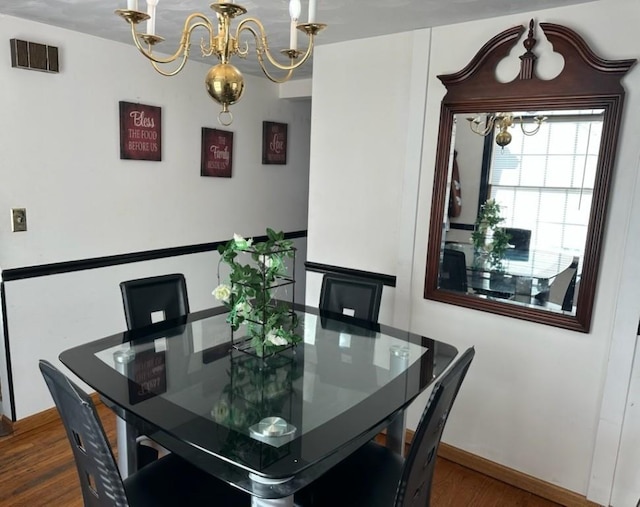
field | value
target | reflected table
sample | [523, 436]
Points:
[271, 426]
[537, 263]
[506, 285]
[522, 276]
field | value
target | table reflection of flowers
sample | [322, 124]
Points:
[257, 388]
[250, 293]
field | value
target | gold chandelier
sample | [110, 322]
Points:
[224, 81]
[484, 124]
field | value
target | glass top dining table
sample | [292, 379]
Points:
[270, 425]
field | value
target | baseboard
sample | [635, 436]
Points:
[6, 426]
[513, 477]
[34, 421]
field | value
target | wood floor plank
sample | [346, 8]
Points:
[37, 469]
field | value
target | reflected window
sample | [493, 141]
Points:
[544, 183]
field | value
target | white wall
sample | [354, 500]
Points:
[59, 139]
[626, 490]
[536, 398]
[359, 153]
[358, 149]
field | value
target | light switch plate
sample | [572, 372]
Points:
[18, 219]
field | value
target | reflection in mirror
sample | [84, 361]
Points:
[521, 181]
[519, 211]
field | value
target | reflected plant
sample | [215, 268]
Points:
[490, 240]
[257, 388]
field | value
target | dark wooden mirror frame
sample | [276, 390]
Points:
[586, 82]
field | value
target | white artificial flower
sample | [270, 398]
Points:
[220, 411]
[274, 339]
[243, 309]
[241, 243]
[222, 293]
[265, 260]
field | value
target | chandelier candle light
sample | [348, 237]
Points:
[224, 81]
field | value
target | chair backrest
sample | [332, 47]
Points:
[520, 240]
[562, 288]
[453, 275]
[144, 297]
[100, 479]
[417, 475]
[362, 296]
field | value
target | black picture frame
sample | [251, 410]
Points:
[217, 153]
[274, 143]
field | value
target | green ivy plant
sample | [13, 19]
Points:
[256, 272]
[490, 240]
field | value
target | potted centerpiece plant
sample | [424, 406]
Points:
[490, 240]
[257, 273]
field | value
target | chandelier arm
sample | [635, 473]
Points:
[529, 132]
[262, 46]
[156, 66]
[185, 40]
[269, 76]
[488, 128]
[243, 53]
[538, 121]
[295, 65]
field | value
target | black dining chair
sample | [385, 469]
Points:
[168, 481]
[154, 298]
[147, 300]
[376, 476]
[453, 275]
[562, 288]
[354, 296]
[519, 244]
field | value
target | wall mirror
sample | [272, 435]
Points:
[523, 170]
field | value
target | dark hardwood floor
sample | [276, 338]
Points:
[37, 469]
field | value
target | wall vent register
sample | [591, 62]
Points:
[33, 56]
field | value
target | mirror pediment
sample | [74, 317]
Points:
[532, 160]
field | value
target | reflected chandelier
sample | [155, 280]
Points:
[484, 124]
[224, 81]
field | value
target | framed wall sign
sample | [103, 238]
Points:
[140, 132]
[274, 143]
[217, 153]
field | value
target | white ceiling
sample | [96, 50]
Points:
[347, 19]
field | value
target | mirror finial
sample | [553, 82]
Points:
[528, 59]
